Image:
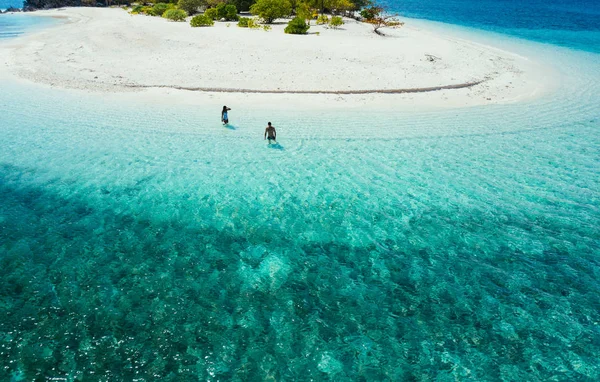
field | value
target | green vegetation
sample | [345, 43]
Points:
[246, 22]
[297, 26]
[201, 21]
[322, 19]
[141, 9]
[341, 5]
[158, 9]
[360, 4]
[227, 12]
[175, 14]
[336, 22]
[269, 10]
[370, 13]
[305, 11]
[137, 9]
[378, 18]
[191, 6]
[212, 13]
[241, 5]
[330, 6]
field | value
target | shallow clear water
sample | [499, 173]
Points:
[145, 242]
[14, 25]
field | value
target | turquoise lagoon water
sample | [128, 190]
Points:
[146, 242]
[14, 25]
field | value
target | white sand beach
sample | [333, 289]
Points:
[110, 50]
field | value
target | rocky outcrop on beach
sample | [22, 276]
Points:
[11, 10]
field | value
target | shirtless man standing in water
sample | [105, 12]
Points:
[270, 133]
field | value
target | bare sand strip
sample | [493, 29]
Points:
[338, 92]
[111, 51]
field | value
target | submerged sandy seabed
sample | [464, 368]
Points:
[109, 50]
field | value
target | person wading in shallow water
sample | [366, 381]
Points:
[270, 133]
[224, 116]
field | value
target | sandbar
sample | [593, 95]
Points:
[108, 50]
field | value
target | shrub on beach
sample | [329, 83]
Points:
[297, 26]
[137, 9]
[211, 13]
[175, 14]
[227, 12]
[269, 10]
[336, 22]
[246, 22]
[158, 9]
[231, 12]
[322, 19]
[191, 6]
[201, 21]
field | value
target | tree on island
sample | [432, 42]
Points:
[191, 6]
[329, 6]
[241, 5]
[378, 17]
[269, 10]
[304, 10]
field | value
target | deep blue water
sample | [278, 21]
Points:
[11, 3]
[574, 24]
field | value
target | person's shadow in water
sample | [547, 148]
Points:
[230, 127]
[276, 146]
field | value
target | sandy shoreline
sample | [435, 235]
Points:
[337, 92]
[109, 50]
